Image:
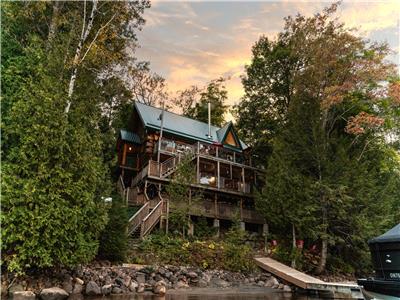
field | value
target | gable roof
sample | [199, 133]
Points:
[181, 125]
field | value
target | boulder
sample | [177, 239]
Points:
[181, 285]
[201, 283]
[67, 286]
[92, 289]
[191, 275]
[23, 295]
[140, 277]
[287, 288]
[272, 282]
[140, 288]
[106, 289]
[160, 288]
[53, 293]
[261, 283]
[133, 286]
[78, 288]
[218, 282]
[78, 280]
[15, 288]
[119, 281]
[116, 290]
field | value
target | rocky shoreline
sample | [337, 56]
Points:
[104, 279]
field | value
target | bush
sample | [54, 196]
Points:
[114, 238]
[207, 254]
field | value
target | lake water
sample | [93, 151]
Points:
[242, 293]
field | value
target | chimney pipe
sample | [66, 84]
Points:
[209, 119]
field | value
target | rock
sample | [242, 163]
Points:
[191, 275]
[53, 293]
[140, 288]
[92, 289]
[181, 285]
[23, 295]
[280, 286]
[287, 288]
[159, 289]
[15, 288]
[140, 277]
[67, 286]
[162, 271]
[261, 283]
[272, 282]
[116, 290]
[78, 280]
[119, 281]
[201, 283]
[133, 286]
[220, 283]
[106, 289]
[78, 288]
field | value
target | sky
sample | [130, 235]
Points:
[192, 43]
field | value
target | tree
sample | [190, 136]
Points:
[114, 238]
[329, 148]
[181, 196]
[54, 175]
[146, 87]
[194, 102]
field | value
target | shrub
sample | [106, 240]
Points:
[114, 238]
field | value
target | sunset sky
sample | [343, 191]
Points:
[191, 43]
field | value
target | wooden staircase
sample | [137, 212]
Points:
[169, 166]
[145, 219]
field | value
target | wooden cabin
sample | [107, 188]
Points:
[222, 162]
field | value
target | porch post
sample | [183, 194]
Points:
[218, 175]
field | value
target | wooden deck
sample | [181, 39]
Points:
[331, 290]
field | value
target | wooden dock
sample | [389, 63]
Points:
[331, 290]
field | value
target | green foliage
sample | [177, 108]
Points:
[331, 173]
[53, 171]
[181, 196]
[217, 95]
[114, 238]
[203, 230]
[208, 254]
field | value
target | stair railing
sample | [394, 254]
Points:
[167, 165]
[151, 219]
[121, 187]
[140, 175]
[136, 220]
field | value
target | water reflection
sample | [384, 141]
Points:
[250, 293]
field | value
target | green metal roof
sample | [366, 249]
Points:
[129, 136]
[181, 125]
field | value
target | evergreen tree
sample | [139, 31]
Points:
[330, 160]
[54, 177]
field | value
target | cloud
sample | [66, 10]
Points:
[194, 42]
[371, 16]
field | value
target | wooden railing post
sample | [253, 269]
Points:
[218, 175]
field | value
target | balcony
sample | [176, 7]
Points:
[221, 210]
[203, 149]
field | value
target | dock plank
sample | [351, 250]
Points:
[307, 282]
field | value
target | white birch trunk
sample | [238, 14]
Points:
[85, 33]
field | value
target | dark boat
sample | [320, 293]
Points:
[385, 253]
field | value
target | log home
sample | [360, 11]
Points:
[150, 150]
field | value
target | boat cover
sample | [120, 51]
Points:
[391, 236]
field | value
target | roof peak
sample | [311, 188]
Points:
[183, 116]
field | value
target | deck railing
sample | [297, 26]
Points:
[151, 219]
[135, 221]
[220, 210]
